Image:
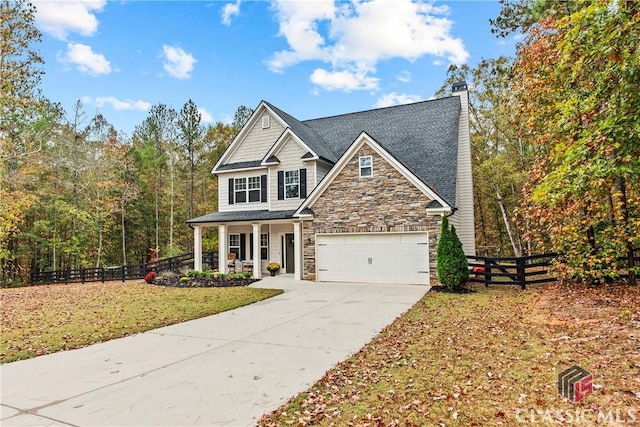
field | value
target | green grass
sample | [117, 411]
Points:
[478, 359]
[45, 319]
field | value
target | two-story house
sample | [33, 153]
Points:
[353, 197]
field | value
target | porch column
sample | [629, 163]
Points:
[297, 250]
[257, 252]
[222, 248]
[197, 248]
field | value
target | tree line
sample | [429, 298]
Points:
[555, 143]
[76, 192]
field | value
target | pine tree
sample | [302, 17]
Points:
[452, 266]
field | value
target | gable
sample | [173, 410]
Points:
[255, 139]
[287, 143]
[422, 136]
[384, 201]
[388, 174]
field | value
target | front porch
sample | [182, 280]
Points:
[253, 239]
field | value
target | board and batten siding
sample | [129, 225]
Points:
[257, 141]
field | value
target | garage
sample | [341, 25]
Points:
[373, 257]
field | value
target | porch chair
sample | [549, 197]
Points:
[231, 262]
[247, 266]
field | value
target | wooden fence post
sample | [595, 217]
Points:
[521, 270]
[487, 273]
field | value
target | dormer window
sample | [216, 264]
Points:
[266, 122]
[366, 166]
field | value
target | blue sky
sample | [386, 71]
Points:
[311, 58]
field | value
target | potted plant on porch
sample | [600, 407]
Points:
[273, 267]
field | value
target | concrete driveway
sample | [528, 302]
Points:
[222, 370]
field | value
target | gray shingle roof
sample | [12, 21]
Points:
[423, 136]
[307, 134]
[240, 165]
[242, 216]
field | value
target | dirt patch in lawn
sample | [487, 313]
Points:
[487, 358]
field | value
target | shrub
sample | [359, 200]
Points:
[452, 265]
[150, 276]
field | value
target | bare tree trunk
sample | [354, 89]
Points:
[517, 250]
[171, 202]
[157, 214]
[124, 234]
[621, 186]
[100, 233]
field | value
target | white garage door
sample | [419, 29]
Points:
[373, 257]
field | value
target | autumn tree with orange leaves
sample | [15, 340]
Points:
[577, 86]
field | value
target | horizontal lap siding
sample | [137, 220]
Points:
[257, 142]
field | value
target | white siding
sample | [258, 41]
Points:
[322, 169]
[464, 218]
[223, 192]
[257, 141]
[275, 241]
[290, 156]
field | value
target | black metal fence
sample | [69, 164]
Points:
[123, 272]
[522, 271]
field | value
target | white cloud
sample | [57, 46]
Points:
[177, 62]
[60, 18]
[205, 115]
[118, 104]
[358, 34]
[344, 80]
[404, 76]
[229, 10]
[85, 59]
[393, 98]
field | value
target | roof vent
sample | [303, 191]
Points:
[265, 122]
[459, 87]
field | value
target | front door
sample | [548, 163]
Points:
[288, 254]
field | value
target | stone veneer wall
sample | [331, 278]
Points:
[385, 202]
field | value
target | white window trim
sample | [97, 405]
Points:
[297, 184]
[247, 190]
[266, 246]
[234, 247]
[258, 188]
[361, 167]
[266, 122]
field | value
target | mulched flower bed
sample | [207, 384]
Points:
[201, 282]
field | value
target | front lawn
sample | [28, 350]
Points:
[485, 359]
[44, 319]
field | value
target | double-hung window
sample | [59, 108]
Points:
[251, 189]
[264, 246]
[240, 189]
[366, 166]
[254, 189]
[234, 244]
[292, 184]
